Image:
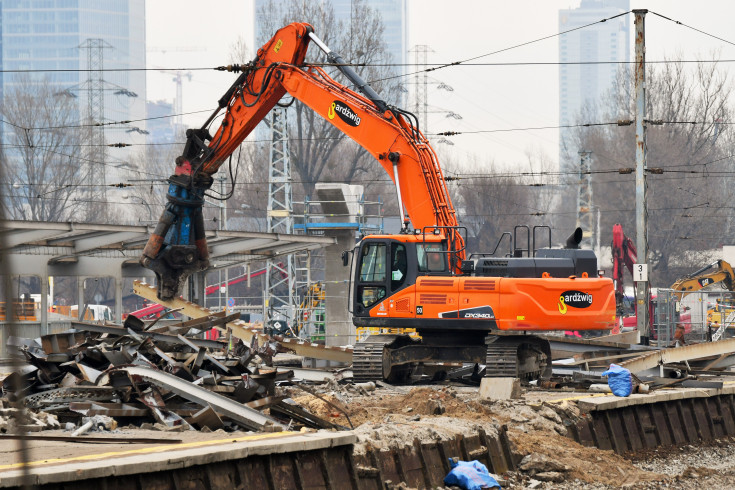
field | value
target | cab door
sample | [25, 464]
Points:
[372, 280]
[402, 292]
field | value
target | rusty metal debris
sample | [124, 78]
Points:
[161, 373]
[248, 417]
[242, 331]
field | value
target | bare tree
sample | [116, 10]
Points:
[689, 131]
[491, 202]
[145, 199]
[318, 148]
[44, 179]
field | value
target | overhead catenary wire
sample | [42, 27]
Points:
[656, 122]
[474, 132]
[692, 28]
[470, 215]
[403, 65]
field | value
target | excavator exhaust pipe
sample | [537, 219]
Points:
[574, 239]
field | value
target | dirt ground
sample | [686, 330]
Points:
[398, 415]
[534, 428]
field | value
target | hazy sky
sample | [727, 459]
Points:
[487, 97]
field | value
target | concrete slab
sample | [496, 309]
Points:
[614, 402]
[662, 357]
[500, 388]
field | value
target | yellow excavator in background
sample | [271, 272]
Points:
[721, 313]
[716, 272]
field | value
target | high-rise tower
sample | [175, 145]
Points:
[582, 85]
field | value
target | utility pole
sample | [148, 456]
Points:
[640, 270]
[223, 226]
[585, 218]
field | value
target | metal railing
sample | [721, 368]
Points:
[310, 219]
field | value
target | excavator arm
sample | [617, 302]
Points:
[624, 256]
[716, 272]
[178, 247]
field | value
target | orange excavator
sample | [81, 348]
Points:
[473, 310]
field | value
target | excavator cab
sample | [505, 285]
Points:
[389, 264]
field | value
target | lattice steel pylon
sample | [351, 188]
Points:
[94, 117]
[421, 81]
[585, 215]
[280, 273]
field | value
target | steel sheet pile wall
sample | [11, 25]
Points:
[288, 464]
[670, 419]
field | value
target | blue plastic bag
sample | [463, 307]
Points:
[619, 380]
[470, 475]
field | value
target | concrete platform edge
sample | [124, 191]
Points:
[177, 458]
[614, 402]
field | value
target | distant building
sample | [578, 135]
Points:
[1, 54]
[160, 121]
[51, 35]
[583, 84]
[86, 49]
[394, 15]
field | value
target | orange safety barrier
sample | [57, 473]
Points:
[23, 310]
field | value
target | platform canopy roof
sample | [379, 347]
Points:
[59, 248]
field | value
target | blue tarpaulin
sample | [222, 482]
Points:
[619, 380]
[470, 475]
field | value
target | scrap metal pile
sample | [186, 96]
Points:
[156, 374]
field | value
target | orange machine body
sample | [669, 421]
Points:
[437, 299]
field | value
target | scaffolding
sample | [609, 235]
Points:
[310, 218]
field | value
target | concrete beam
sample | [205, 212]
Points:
[14, 238]
[66, 227]
[104, 240]
[610, 402]
[234, 246]
[679, 354]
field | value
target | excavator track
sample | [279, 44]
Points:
[518, 356]
[367, 361]
[367, 358]
[501, 361]
[515, 356]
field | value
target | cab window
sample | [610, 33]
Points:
[373, 268]
[372, 264]
[399, 265]
[432, 257]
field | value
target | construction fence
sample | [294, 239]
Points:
[699, 316]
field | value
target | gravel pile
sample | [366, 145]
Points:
[689, 467]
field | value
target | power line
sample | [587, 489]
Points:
[692, 28]
[456, 63]
[434, 66]
[344, 136]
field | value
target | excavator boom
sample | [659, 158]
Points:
[419, 278]
[178, 246]
[719, 271]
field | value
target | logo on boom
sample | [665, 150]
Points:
[344, 112]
